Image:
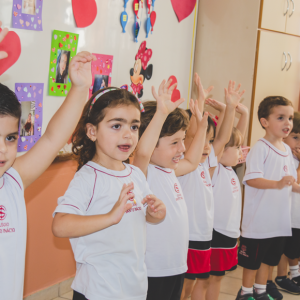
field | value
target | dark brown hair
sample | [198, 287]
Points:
[236, 138]
[265, 106]
[9, 104]
[83, 148]
[296, 122]
[176, 120]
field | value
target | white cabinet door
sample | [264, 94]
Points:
[293, 18]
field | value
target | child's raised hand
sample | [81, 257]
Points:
[80, 69]
[242, 109]
[232, 94]
[3, 33]
[201, 92]
[285, 181]
[201, 121]
[219, 106]
[296, 153]
[121, 205]
[156, 208]
[163, 98]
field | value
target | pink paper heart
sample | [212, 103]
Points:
[53, 49]
[18, 88]
[21, 21]
[34, 87]
[34, 94]
[19, 6]
[40, 91]
[84, 12]
[39, 21]
[27, 23]
[183, 8]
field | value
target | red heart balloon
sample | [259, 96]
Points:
[183, 8]
[12, 46]
[84, 12]
[176, 93]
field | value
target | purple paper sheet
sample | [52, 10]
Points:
[27, 14]
[30, 95]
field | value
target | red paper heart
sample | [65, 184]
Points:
[60, 45]
[12, 46]
[52, 89]
[58, 86]
[176, 93]
[65, 86]
[183, 8]
[67, 36]
[84, 12]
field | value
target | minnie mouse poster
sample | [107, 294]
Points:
[141, 71]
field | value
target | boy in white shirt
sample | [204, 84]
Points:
[269, 181]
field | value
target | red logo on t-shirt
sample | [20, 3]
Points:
[203, 175]
[285, 168]
[176, 188]
[233, 182]
[2, 212]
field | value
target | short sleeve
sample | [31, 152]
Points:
[79, 194]
[212, 160]
[292, 164]
[255, 162]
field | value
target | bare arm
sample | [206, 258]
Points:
[244, 119]
[61, 125]
[193, 156]
[264, 184]
[150, 137]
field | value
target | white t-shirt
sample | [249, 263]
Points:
[296, 203]
[228, 201]
[198, 194]
[267, 213]
[167, 242]
[110, 264]
[13, 233]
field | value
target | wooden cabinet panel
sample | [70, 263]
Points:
[273, 17]
[293, 18]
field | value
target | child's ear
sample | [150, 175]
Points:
[91, 131]
[264, 122]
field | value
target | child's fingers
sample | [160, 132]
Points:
[126, 189]
[3, 54]
[238, 87]
[166, 87]
[128, 206]
[154, 93]
[179, 101]
[192, 106]
[209, 89]
[242, 93]
[172, 87]
[3, 33]
[161, 87]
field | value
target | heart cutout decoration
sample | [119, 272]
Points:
[12, 46]
[85, 12]
[183, 8]
[176, 93]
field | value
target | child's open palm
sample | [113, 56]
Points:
[201, 121]
[232, 94]
[201, 92]
[241, 109]
[80, 69]
[163, 98]
[219, 106]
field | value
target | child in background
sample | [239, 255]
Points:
[197, 188]
[269, 181]
[228, 203]
[17, 173]
[103, 211]
[158, 155]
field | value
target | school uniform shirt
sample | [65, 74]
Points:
[228, 201]
[167, 242]
[13, 232]
[110, 263]
[296, 203]
[198, 194]
[267, 212]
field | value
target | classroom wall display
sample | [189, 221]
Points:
[124, 16]
[30, 95]
[63, 48]
[85, 12]
[12, 46]
[27, 14]
[183, 8]
[101, 72]
[141, 70]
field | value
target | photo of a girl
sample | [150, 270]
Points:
[27, 118]
[28, 7]
[62, 66]
[100, 82]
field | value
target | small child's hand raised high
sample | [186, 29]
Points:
[80, 69]
[201, 121]
[232, 95]
[164, 103]
[242, 109]
[201, 92]
[217, 105]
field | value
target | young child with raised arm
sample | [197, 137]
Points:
[197, 189]
[104, 210]
[158, 155]
[17, 173]
[269, 181]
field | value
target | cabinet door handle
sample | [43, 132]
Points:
[290, 61]
[293, 8]
[285, 61]
[288, 7]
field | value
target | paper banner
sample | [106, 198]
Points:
[27, 14]
[12, 46]
[63, 48]
[30, 95]
[183, 8]
[85, 12]
[101, 72]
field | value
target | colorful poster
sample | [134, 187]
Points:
[30, 95]
[27, 14]
[101, 72]
[63, 48]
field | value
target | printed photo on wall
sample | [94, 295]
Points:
[27, 14]
[30, 95]
[63, 48]
[101, 72]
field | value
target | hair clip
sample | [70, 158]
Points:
[99, 95]
[125, 87]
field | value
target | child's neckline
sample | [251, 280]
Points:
[125, 172]
[274, 147]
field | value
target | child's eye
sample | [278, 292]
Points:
[116, 126]
[135, 127]
[11, 138]
[291, 119]
[280, 118]
[211, 141]
[174, 143]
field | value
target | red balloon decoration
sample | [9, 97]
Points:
[136, 7]
[152, 19]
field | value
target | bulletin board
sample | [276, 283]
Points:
[172, 45]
